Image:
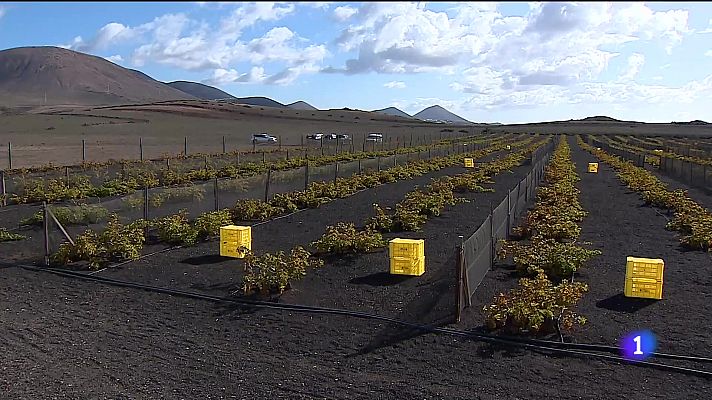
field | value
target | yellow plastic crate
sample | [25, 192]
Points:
[593, 167]
[469, 163]
[644, 288]
[407, 248]
[649, 268]
[408, 266]
[232, 238]
[508, 147]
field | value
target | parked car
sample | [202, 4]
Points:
[315, 136]
[334, 136]
[374, 137]
[263, 138]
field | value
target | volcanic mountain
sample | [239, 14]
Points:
[437, 113]
[53, 75]
[393, 111]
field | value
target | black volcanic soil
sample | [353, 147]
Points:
[73, 339]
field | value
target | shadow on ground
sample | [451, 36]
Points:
[621, 303]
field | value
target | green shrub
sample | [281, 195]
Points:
[116, 243]
[208, 224]
[6, 236]
[270, 273]
[536, 306]
[83, 214]
[253, 210]
[344, 238]
[175, 229]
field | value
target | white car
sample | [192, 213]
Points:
[263, 138]
[315, 136]
[374, 137]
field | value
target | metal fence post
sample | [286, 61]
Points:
[359, 165]
[168, 164]
[224, 146]
[460, 286]
[264, 159]
[269, 177]
[45, 223]
[84, 151]
[185, 146]
[306, 175]
[216, 194]
[66, 175]
[378, 160]
[9, 154]
[492, 238]
[140, 148]
[336, 171]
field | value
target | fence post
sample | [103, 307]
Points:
[321, 144]
[185, 146]
[84, 151]
[66, 175]
[216, 193]
[378, 160]
[224, 145]
[280, 142]
[269, 177]
[359, 165]
[145, 203]
[306, 175]
[492, 238]
[264, 160]
[460, 286]
[238, 158]
[2, 188]
[45, 225]
[509, 212]
[168, 163]
[9, 154]
[336, 170]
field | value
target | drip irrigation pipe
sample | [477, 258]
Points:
[553, 347]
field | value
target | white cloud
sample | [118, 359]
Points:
[555, 43]
[395, 85]
[110, 34]
[344, 13]
[708, 53]
[115, 58]
[635, 62]
[322, 5]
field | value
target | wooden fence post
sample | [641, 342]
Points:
[269, 177]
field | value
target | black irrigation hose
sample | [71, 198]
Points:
[533, 345]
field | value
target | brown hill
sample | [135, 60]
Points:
[31, 76]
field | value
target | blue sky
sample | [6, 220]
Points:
[488, 62]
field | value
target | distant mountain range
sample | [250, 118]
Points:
[201, 91]
[32, 76]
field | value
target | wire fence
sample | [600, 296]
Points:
[475, 255]
[194, 198]
[637, 159]
[18, 181]
[693, 174]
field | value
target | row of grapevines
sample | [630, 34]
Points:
[692, 220]
[551, 228]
